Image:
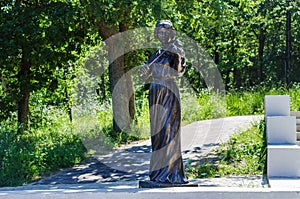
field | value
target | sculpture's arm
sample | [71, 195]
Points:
[175, 49]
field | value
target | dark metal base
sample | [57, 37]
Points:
[151, 184]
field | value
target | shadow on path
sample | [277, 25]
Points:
[94, 170]
[132, 163]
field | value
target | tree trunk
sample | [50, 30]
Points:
[128, 79]
[23, 103]
[3, 83]
[288, 43]
[227, 79]
[68, 105]
[261, 39]
[122, 100]
[121, 85]
[130, 92]
[237, 77]
[67, 102]
[236, 71]
[217, 61]
[119, 98]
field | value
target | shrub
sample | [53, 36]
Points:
[26, 157]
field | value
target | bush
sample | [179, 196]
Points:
[26, 157]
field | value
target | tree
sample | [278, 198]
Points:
[219, 26]
[278, 42]
[111, 18]
[250, 41]
[37, 39]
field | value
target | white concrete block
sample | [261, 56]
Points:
[279, 183]
[281, 130]
[283, 161]
[277, 105]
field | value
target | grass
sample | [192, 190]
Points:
[243, 154]
[205, 105]
[26, 157]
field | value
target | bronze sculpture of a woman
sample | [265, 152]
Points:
[167, 63]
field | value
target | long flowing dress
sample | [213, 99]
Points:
[166, 164]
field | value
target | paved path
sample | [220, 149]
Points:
[121, 178]
[132, 162]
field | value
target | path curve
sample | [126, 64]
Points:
[132, 162]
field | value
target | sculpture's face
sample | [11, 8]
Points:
[163, 35]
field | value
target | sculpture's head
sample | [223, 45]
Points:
[164, 31]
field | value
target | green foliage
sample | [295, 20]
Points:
[234, 103]
[201, 106]
[205, 105]
[243, 154]
[34, 153]
[246, 39]
[48, 37]
[245, 102]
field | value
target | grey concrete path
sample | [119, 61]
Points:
[132, 162]
[121, 191]
[116, 175]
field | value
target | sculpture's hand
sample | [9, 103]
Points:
[145, 71]
[175, 48]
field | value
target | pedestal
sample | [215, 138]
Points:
[151, 184]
